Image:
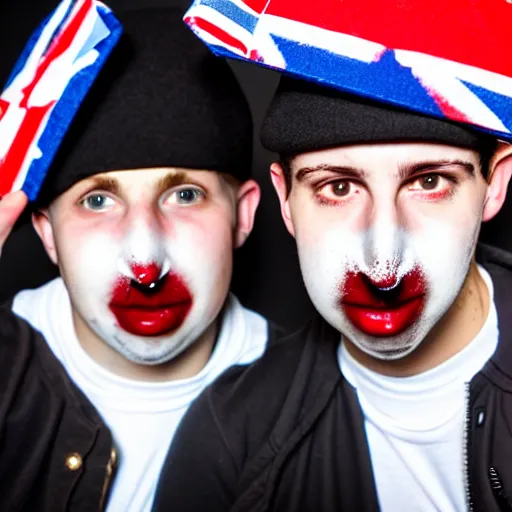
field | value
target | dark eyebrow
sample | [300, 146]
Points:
[408, 170]
[347, 172]
[175, 179]
[106, 184]
[405, 171]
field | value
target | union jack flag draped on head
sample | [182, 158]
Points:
[45, 89]
[444, 59]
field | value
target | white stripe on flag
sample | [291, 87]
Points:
[226, 24]
[460, 97]
[487, 79]
[341, 44]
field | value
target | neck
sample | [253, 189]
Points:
[186, 365]
[456, 329]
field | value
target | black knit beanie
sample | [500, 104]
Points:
[161, 100]
[304, 116]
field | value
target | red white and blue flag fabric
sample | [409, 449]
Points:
[46, 87]
[447, 59]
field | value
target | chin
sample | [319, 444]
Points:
[390, 348]
[392, 352]
[143, 351]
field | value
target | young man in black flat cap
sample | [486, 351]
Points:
[398, 396]
[146, 200]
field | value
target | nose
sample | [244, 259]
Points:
[146, 275]
[384, 245]
[385, 282]
[144, 255]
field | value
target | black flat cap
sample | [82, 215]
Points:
[304, 116]
[161, 100]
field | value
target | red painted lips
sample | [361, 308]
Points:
[380, 311]
[146, 311]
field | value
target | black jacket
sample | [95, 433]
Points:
[287, 432]
[56, 453]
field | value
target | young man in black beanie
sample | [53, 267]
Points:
[145, 202]
[398, 395]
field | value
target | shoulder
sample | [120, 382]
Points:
[15, 331]
[249, 331]
[249, 399]
[498, 263]
[34, 304]
[22, 344]
[240, 422]
[277, 363]
[494, 258]
[228, 426]
[29, 370]
[11, 324]
[48, 310]
[23, 351]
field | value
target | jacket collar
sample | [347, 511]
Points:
[499, 265]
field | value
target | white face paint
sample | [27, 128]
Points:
[109, 236]
[402, 217]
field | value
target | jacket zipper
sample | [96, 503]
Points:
[109, 473]
[466, 437]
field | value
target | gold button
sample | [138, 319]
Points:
[113, 457]
[74, 461]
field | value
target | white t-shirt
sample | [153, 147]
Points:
[415, 425]
[142, 416]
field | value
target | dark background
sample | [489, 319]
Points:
[267, 275]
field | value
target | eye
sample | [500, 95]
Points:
[429, 182]
[433, 186]
[340, 188]
[98, 202]
[336, 192]
[186, 196]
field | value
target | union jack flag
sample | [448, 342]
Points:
[445, 59]
[45, 89]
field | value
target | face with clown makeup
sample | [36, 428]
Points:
[146, 256]
[386, 235]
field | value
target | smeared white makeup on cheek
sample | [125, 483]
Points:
[442, 252]
[90, 274]
[205, 259]
[96, 267]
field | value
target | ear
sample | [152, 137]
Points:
[43, 226]
[248, 198]
[279, 182]
[500, 171]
